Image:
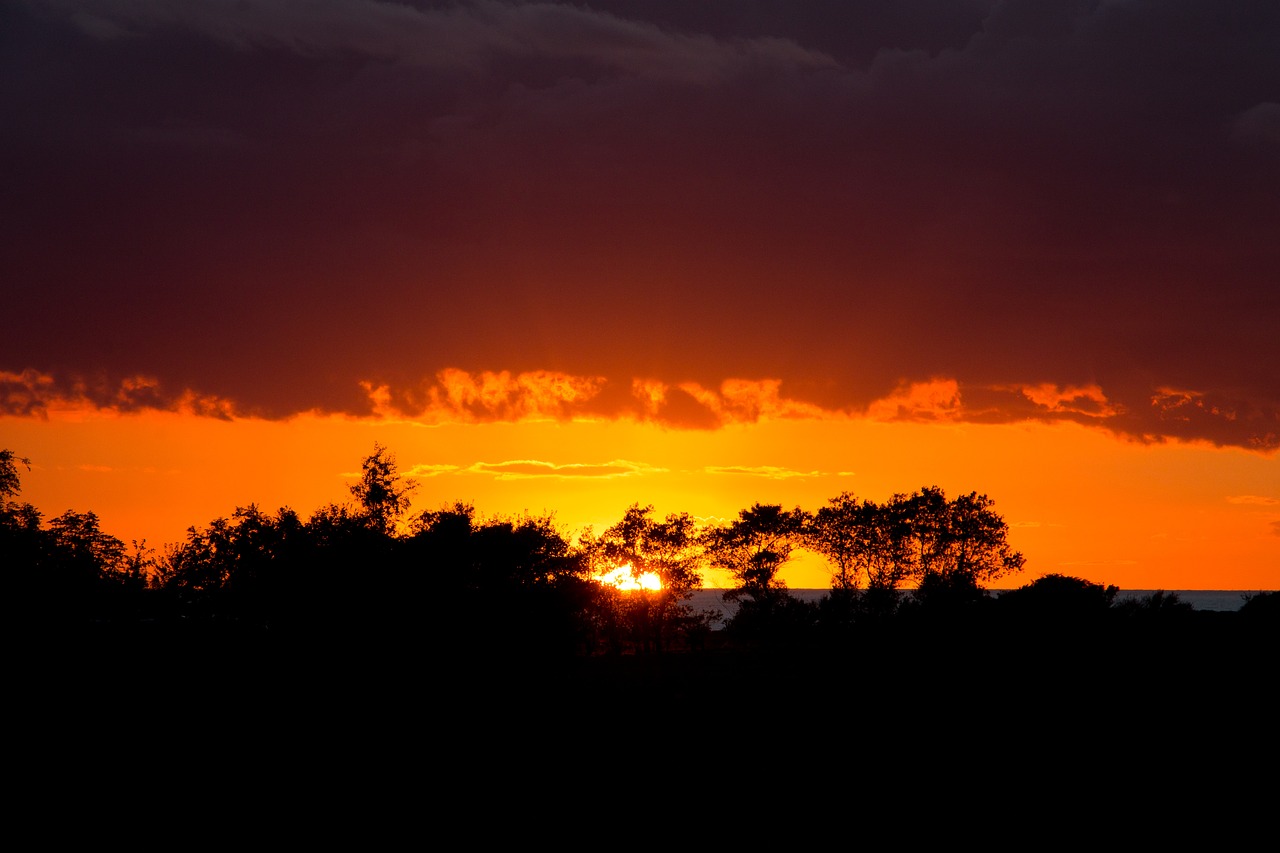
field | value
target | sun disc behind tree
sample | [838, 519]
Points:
[625, 579]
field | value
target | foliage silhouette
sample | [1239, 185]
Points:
[958, 540]
[947, 548]
[1059, 598]
[382, 493]
[513, 583]
[507, 606]
[65, 573]
[256, 569]
[1158, 605]
[946, 597]
[673, 551]
[910, 538]
[10, 479]
[755, 546]
[1260, 618]
[865, 543]
[1261, 605]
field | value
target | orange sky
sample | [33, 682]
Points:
[565, 256]
[1078, 501]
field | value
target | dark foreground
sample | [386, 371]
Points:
[1215, 661]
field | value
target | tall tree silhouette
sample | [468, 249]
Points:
[382, 493]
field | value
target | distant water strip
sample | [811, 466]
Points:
[1220, 600]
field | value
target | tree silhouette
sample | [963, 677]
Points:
[755, 546]
[956, 547]
[440, 542]
[868, 545]
[1057, 598]
[68, 572]
[83, 540]
[10, 480]
[381, 492]
[976, 541]
[671, 550]
[514, 584]
[835, 531]
[1154, 606]
[922, 537]
[23, 545]
[496, 607]
[948, 548]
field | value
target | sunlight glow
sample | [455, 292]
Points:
[623, 579]
[1159, 516]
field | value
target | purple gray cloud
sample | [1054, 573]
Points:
[1057, 209]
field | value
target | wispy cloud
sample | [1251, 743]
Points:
[771, 472]
[1253, 500]
[422, 470]
[523, 469]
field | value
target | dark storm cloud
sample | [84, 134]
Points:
[265, 204]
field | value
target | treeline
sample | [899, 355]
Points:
[454, 580]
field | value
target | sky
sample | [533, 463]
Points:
[566, 257]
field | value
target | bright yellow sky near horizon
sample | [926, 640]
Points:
[1078, 500]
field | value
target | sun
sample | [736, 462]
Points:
[623, 578]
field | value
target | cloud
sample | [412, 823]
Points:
[735, 401]
[769, 472]
[687, 408]
[1253, 500]
[32, 393]
[528, 469]
[524, 469]
[1218, 418]
[459, 396]
[424, 470]
[1089, 401]
[928, 210]
[934, 400]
